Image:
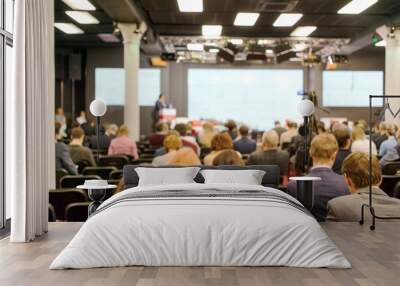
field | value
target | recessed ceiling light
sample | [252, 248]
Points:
[357, 6]
[246, 19]
[381, 43]
[236, 41]
[108, 38]
[211, 30]
[303, 31]
[299, 47]
[82, 17]
[80, 5]
[68, 28]
[265, 42]
[195, 47]
[190, 5]
[269, 51]
[214, 50]
[287, 19]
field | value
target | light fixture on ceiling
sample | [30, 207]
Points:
[287, 19]
[269, 51]
[108, 38]
[236, 41]
[80, 5]
[211, 30]
[299, 47]
[262, 42]
[213, 50]
[246, 19]
[303, 31]
[195, 47]
[68, 28]
[356, 6]
[82, 17]
[381, 43]
[190, 5]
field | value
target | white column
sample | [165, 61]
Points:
[392, 75]
[131, 66]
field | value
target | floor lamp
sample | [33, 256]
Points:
[98, 108]
[306, 109]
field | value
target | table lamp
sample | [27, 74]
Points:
[98, 108]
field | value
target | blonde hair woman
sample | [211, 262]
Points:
[185, 157]
[360, 142]
[206, 135]
[122, 144]
[172, 143]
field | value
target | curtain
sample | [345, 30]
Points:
[29, 119]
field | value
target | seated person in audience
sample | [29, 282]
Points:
[380, 135]
[187, 141]
[81, 119]
[172, 143]
[342, 136]
[184, 157]
[356, 173]
[228, 157]
[244, 144]
[111, 131]
[392, 154]
[156, 139]
[104, 140]
[360, 143]
[80, 153]
[230, 125]
[321, 127]
[63, 156]
[287, 136]
[206, 134]
[221, 141]
[279, 129]
[390, 142]
[122, 144]
[323, 153]
[270, 154]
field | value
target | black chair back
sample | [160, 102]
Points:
[52, 213]
[116, 175]
[68, 182]
[391, 168]
[141, 161]
[59, 174]
[114, 161]
[60, 198]
[388, 183]
[82, 164]
[77, 211]
[396, 191]
[103, 172]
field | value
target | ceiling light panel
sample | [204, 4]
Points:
[303, 31]
[108, 38]
[357, 6]
[80, 5]
[246, 19]
[68, 28]
[195, 47]
[82, 17]
[211, 30]
[190, 5]
[236, 41]
[287, 19]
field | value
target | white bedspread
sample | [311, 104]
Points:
[200, 231]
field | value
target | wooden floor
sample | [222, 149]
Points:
[375, 257]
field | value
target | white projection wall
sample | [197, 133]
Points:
[110, 85]
[255, 97]
[351, 88]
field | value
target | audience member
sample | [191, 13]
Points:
[104, 140]
[244, 144]
[323, 153]
[390, 142]
[279, 129]
[111, 131]
[63, 155]
[89, 128]
[392, 154]
[61, 119]
[343, 139]
[187, 141]
[360, 143]
[157, 138]
[122, 144]
[321, 127]
[356, 173]
[270, 154]
[219, 142]
[380, 135]
[172, 143]
[287, 136]
[228, 157]
[79, 153]
[232, 129]
[81, 119]
[206, 134]
[184, 157]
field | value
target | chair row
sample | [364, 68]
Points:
[76, 212]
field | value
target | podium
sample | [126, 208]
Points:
[167, 114]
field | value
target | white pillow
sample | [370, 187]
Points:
[166, 176]
[248, 177]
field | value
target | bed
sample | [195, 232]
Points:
[197, 224]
